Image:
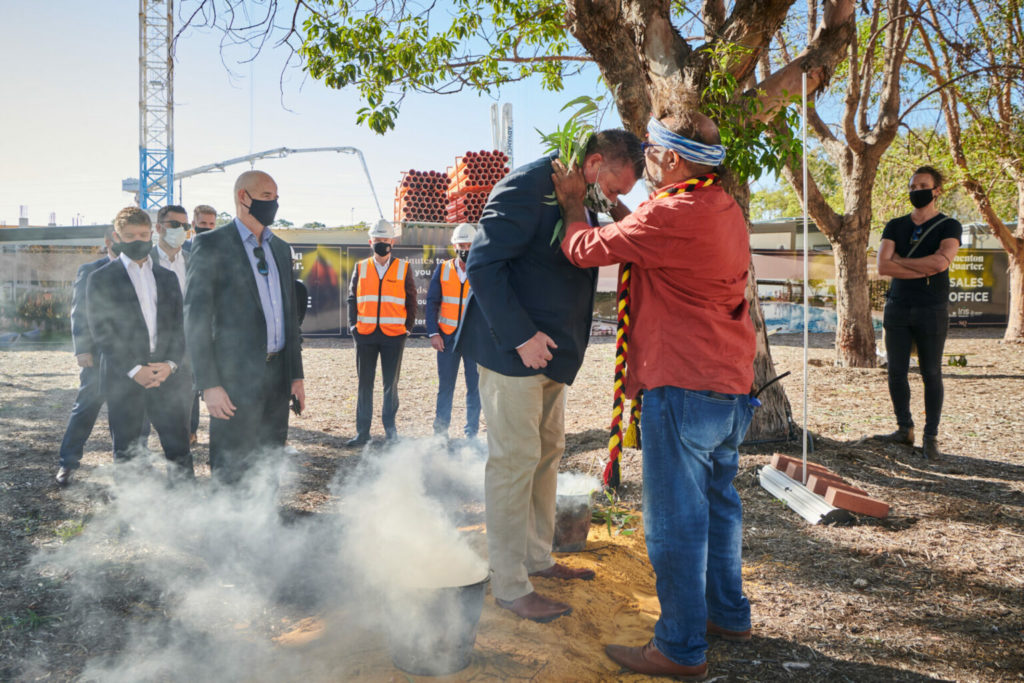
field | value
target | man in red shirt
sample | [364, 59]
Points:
[691, 353]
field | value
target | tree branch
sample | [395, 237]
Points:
[594, 26]
[818, 60]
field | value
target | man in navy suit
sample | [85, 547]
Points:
[527, 326]
[89, 399]
[135, 317]
[243, 333]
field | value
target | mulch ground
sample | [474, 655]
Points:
[934, 592]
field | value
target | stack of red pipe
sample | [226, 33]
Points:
[470, 182]
[420, 197]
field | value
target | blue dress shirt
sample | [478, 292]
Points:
[269, 285]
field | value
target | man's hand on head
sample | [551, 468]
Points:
[570, 189]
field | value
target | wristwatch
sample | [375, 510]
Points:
[174, 366]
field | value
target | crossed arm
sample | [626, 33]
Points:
[893, 265]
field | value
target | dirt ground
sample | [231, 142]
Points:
[935, 592]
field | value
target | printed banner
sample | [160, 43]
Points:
[321, 269]
[979, 288]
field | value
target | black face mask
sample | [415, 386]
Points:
[200, 231]
[462, 254]
[135, 250]
[263, 210]
[381, 248]
[921, 198]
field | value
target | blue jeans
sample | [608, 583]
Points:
[693, 515]
[447, 372]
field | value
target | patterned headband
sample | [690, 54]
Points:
[691, 150]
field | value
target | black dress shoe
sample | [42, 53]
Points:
[930, 447]
[357, 441]
[63, 477]
[903, 435]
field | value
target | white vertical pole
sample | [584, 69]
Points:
[495, 126]
[506, 132]
[803, 133]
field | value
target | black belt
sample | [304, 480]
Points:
[272, 355]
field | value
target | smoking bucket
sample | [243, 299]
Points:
[435, 637]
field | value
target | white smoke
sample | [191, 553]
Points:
[577, 484]
[206, 577]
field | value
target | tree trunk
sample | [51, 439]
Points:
[855, 332]
[1013, 243]
[1015, 321]
[772, 419]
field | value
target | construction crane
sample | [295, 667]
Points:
[155, 186]
[156, 104]
[278, 153]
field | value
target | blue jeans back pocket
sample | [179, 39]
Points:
[707, 421]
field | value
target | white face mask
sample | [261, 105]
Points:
[174, 237]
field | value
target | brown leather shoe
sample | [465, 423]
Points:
[725, 634]
[561, 571]
[903, 435]
[649, 660]
[535, 607]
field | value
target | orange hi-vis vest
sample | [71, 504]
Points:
[454, 297]
[381, 301]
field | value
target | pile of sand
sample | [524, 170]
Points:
[619, 606]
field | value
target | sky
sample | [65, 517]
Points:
[69, 127]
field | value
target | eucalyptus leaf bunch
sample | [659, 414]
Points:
[569, 141]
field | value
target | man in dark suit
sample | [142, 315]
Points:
[204, 219]
[89, 399]
[527, 326]
[171, 252]
[135, 317]
[243, 331]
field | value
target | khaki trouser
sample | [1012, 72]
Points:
[525, 442]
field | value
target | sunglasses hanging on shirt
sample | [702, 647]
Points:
[261, 263]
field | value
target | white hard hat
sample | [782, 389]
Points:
[382, 229]
[463, 233]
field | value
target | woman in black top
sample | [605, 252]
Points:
[916, 252]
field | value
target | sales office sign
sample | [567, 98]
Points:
[979, 288]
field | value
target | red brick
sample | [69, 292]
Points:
[795, 470]
[856, 503]
[782, 462]
[819, 483]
